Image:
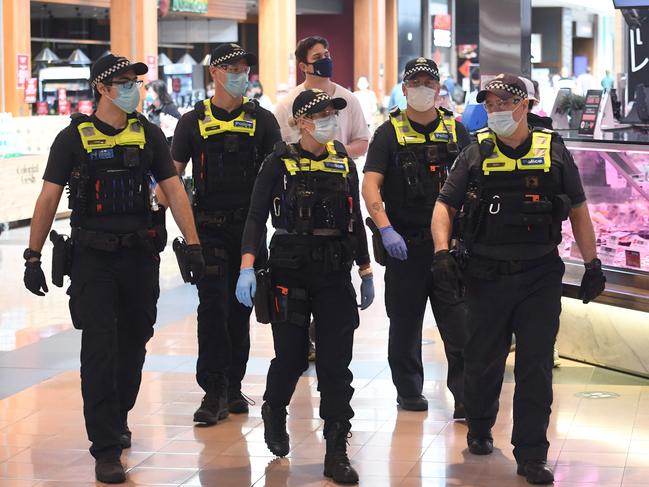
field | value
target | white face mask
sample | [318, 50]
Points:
[502, 123]
[421, 99]
[325, 129]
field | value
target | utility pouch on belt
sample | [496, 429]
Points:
[264, 296]
[290, 305]
[61, 257]
[380, 253]
[180, 249]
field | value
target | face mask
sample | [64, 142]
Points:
[127, 99]
[502, 123]
[325, 129]
[323, 68]
[236, 84]
[421, 99]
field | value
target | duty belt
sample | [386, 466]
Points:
[221, 218]
[417, 236]
[318, 232]
[330, 256]
[110, 242]
[508, 267]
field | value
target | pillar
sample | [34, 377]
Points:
[391, 45]
[14, 41]
[277, 64]
[134, 31]
[370, 43]
[505, 34]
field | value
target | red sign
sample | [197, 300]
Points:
[64, 107]
[62, 94]
[175, 85]
[42, 108]
[31, 90]
[442, 22]
[152, 63]
[22, 69]
[85, 107]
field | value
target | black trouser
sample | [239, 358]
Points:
[528, 304]
[113, 297]
[332, 301]
[223, 322]
[408, 287]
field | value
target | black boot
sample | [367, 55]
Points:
[536, 472]
[238, 402]
[275, 434]
[110, 471]
[213, 409]
[125, 437]
[480, 444]
[336, 464]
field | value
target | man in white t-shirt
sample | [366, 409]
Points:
[315, 62]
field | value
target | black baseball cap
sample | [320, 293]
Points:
[110, 66]
[230, 53]
[313, 101]
[504, 86]
[421, 65]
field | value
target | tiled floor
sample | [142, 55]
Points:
[594, 442]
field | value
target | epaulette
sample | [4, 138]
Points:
[78, 118]
[281, 149]
[340, 149]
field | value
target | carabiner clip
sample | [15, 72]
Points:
[491, 206]
[276, 206]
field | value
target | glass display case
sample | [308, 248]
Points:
[612, 331]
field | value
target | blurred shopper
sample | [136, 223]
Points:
[407, 164]
[227, 138]
[367, 99]
[608, 83]
[515, 186]
[586, 81]
[161, 109]
[397, 98]
[256, 92]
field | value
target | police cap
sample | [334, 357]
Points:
[421, 65]
[504, 86]
[313, 101]
[109, 66]
[230, 53]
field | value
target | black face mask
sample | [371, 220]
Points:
[323, 67]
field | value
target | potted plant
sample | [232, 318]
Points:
[573, 106]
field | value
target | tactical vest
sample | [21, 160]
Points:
[519, 201]
[226, 165]
[313, 195]
[420, 168]
[109, 188]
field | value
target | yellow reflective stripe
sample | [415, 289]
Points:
[538, 158]
[93, 139]
[332, 164]
[445, 131]
[243, 124]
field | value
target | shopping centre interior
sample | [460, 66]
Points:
[592, 69]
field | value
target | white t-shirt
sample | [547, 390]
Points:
[351, 121]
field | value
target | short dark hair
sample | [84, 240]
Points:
[302, 49]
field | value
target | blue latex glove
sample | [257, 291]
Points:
[367, 291]
[394, 243]
[246, 286]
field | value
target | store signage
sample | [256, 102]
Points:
[85, 107]
[442, 30]
[64, 107]
[589, 115]
[195, 6]
[22, 69]
[152, 63]
[31, 90]
[638, 62]
[42, 108]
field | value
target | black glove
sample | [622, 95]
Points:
[34, 278]
[593, 282]
[447, 278]
[195, 262]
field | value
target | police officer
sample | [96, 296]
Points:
[108, 159]
[407, 163]
[227, 137]
[517, 185]
[311, 191]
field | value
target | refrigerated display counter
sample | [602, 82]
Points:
[614, 330]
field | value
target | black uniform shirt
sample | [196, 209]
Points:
[187, 138]
[467, 168]
[384, 145]
[67, 150]
[260, 204]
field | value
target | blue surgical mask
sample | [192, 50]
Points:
[325, 129]
[323, 67]
[127, 99]
[236, 84]
[502, 123]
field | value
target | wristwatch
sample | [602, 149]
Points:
[593, 264]
[29, 253]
